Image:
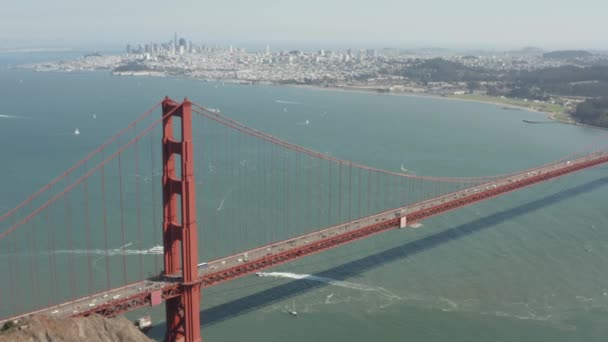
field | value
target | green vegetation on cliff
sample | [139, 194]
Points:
[593, 112]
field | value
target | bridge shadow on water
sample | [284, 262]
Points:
[350, 269]
[281, 292]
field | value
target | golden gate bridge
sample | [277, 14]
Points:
[82, 243]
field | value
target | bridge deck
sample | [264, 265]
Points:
[130, 297]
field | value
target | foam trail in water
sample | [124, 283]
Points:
[330, 281]
[221, 205]
[304, 123]
[4, 116]
[287, 102]
[102, 252]
[111, 252]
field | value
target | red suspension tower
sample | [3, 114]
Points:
[180, 238]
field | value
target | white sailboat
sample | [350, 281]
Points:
[76, 132]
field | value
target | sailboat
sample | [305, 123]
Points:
[76, 132]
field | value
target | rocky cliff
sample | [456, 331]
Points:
[87, 329]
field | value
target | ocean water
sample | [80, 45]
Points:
[528, 266]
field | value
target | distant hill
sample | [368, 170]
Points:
[567, 54]
[527, 51]
[531, 49]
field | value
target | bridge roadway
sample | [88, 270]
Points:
[136, 295]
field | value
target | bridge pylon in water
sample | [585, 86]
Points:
[180, 238]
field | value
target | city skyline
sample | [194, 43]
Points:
[314, 24]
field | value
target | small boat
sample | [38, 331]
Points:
[144, 323]
[293, 311]
[156, 249]
[76, 132]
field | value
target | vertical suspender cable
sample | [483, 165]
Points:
[329, 216]
[297, 205]
[350, 191]
[105, 224]
[340, 193]
[286, 191]
[122, 220]
[69, 237]
[320, 187]
[138, 204]
[359, 215]
[155, 227]
[30, 256]
[50, 252]
[87, 220]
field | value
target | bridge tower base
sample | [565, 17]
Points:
[180, 238]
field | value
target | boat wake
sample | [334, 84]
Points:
[109, 252]
[156, 250]
[387, 298]
[4, 116]
[287, 102]
[374, 297]
[330, 281]
[221, 205]
[304, 123]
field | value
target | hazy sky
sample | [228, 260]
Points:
[321, 23]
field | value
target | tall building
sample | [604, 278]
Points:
[174, 44]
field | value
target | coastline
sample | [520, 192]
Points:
[552, 116]
[549, 115]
